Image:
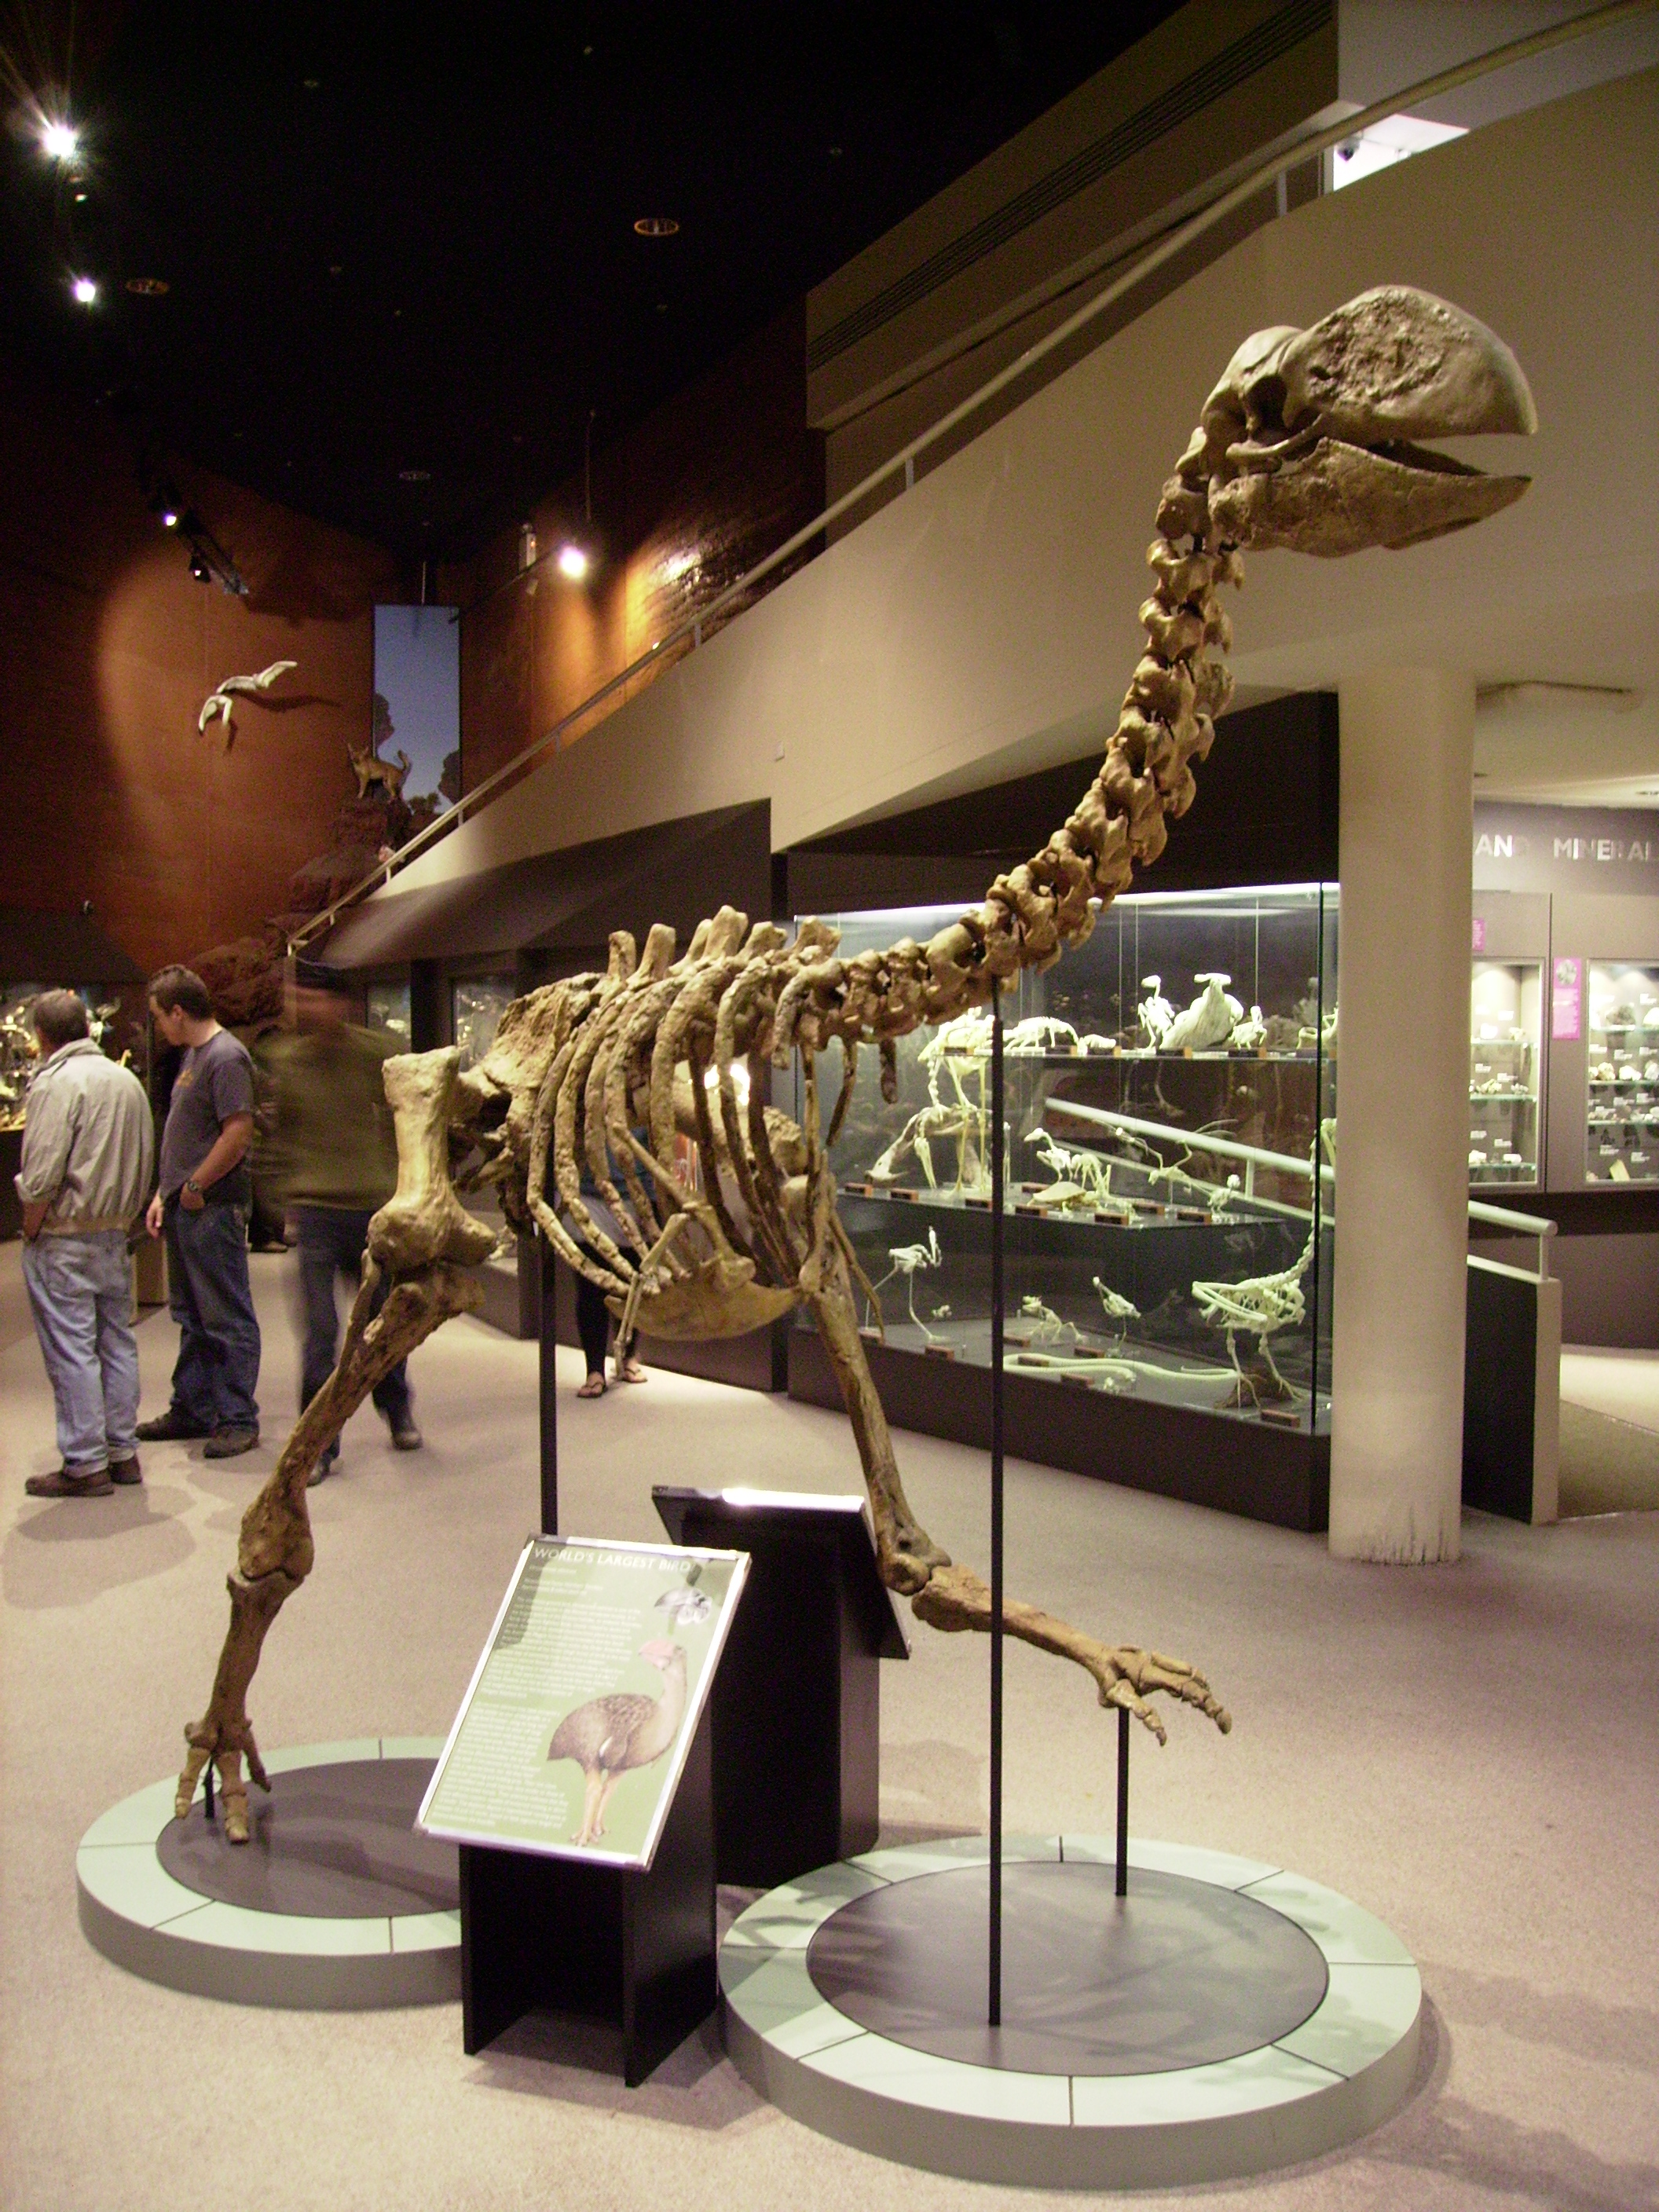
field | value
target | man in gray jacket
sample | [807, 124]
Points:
[89, 1144]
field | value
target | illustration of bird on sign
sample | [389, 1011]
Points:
[609, 1737]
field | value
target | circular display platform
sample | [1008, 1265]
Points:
[334, 1903]
[1225, 2017]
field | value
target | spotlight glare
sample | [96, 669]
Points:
[84, 290]
[169, 518]
[61, 141]
[573, 562]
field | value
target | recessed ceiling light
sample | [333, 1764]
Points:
[61, 141]
[336, 268]
[657, 226]
[311, 83]
[835, 153]
[573, 562]
[148, 287]
[414, 476]
[85, 291]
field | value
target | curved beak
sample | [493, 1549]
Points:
[1329, 462]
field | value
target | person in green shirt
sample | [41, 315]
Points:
[330, 1158]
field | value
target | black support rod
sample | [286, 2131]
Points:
[993, 2014]
[547, 1364]
[1122, 1802]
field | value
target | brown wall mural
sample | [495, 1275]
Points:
[108, 648]
[683, 505]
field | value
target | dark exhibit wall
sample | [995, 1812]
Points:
[681, 507]
[108, 648]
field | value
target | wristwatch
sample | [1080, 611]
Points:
[191, 1183]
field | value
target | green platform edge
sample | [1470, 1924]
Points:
[1331, 2081]
[135, 1914]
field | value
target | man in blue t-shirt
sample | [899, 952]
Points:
[202, 1208]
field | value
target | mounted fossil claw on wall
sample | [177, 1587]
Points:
[1309, 441]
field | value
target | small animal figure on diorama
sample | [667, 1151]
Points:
[609, 1737]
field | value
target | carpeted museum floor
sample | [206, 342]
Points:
[1471, 1751]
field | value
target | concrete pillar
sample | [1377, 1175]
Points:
[1402, 1119]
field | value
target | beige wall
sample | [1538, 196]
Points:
[107, 650]
[986, 622]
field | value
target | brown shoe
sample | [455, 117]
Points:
[95, 1483]
[126, 1471]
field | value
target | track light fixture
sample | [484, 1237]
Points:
[198, 566]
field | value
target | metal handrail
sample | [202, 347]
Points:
[1517, 1224]
[903, 462]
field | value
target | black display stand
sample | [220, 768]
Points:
[610, 1947]
[797, 1702]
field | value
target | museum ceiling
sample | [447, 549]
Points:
[400, 252]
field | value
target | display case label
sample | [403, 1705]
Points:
[576, 1724]
[1567, 1001]
[1480, 934]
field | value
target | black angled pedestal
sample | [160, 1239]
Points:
[796, 1705]
[611, 1947]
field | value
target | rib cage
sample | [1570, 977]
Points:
[580, 1068]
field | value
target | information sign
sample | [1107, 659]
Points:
[580, 1713]
[1567, 1002]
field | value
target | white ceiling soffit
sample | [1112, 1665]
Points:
[1573, 745]
[1384, 44]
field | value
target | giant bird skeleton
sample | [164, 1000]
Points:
[1308, 442]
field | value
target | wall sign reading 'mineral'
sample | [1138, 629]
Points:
[580, 1715]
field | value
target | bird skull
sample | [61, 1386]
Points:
[1309, 439]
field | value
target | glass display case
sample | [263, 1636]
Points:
[1168, 1135]
[477, 1005]
[1506, 999]
[385, 1006]
[1621, 1135]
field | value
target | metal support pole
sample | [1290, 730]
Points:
[547, 1363]
[207, 1792]
[994, 2010]
[1122, 1801]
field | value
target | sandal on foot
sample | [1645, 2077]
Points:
[593, 1387]
[630, 1370]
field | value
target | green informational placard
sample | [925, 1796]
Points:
[579, 1717]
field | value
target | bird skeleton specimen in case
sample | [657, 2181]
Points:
[1119, 1311]
[960, 1051]
[1259, 1308]
[1208, 1022]
[217, 706]
[1307, 442]
[1154, 1013]
[1081, 1179]
[910, 1260]
[1040, 1033]
[1048, 1326]
[1263, 1305]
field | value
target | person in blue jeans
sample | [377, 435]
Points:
[87, 1143]
[330, 1159]
[202, 1209]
